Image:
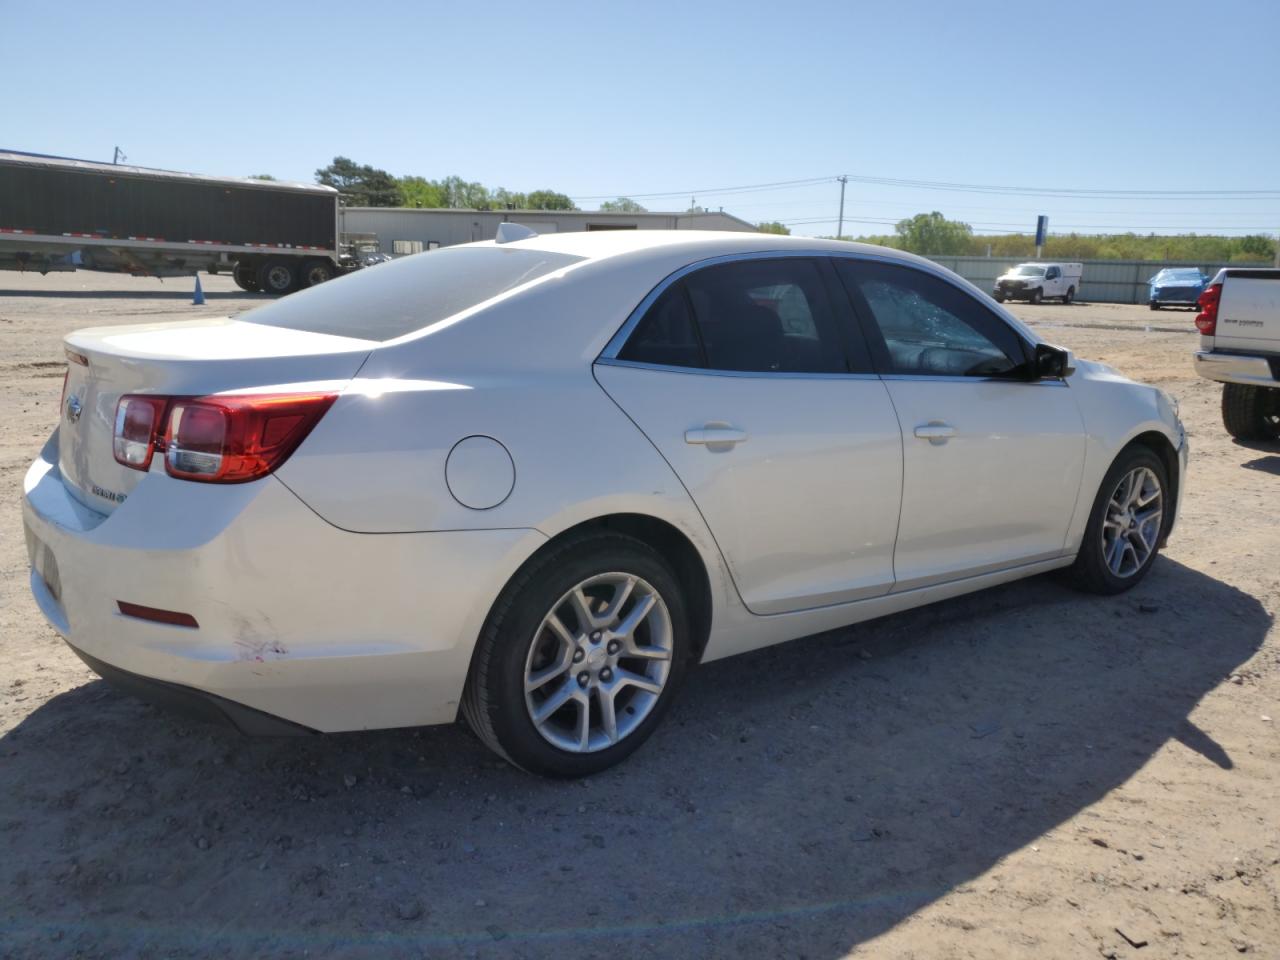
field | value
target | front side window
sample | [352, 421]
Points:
[753, 316]
[926, 326]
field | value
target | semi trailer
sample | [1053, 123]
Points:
[60, 214]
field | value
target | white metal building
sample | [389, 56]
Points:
[402, 230]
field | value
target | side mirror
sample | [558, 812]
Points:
[1052, 363]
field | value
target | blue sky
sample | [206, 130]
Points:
[601, 98]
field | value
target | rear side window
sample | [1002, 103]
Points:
[667, 334]
[753, 316]
[389, 300]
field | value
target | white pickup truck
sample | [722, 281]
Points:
[1239, 324]
[1034, 282]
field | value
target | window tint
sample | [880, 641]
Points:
[928, 326]
[666, 335]
[392, 299]
[765, 316]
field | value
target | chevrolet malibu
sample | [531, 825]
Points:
[534, 481]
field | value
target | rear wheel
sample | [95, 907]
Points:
[246, 277]
[1069, 295]
[1251, 413]
[1035, 296]
[580, 657]
[1123, 535]
[315, 272]
[278, 276]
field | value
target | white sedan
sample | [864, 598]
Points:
[534, 481]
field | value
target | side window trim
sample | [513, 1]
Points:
[875, 339]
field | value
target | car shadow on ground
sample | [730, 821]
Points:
[798, 801]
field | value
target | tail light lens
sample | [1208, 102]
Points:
[220, 439]
[1207, 318]
[139, 421]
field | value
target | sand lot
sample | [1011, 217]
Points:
[1025, 772]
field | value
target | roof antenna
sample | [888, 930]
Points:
[508, 231]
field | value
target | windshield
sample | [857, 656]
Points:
[410, 293]
[1186, 273]
[1027, 270]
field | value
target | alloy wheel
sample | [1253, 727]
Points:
[598, 662]
[1131, 528]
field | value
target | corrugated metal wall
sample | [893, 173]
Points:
[1104, 281]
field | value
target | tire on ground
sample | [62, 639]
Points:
[246, 277]
[1251, 413]
[493, 701]
[1090, 571]
[278, 276]
[316, 271]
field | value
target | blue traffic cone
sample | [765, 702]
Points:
[198, 299]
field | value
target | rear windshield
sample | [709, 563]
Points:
[389, 300]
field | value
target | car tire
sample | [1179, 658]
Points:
[1153, 305]
[523, 664]
[1251, 413]
[1069, 295]
[1035, 296]
[1119, 515]
[278, 276]
[998, 297]
[246, 277]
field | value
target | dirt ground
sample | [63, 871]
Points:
[1025, 772]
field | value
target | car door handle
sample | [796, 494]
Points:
[935, 431]
[715, 435]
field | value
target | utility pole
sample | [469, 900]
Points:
[843, 178]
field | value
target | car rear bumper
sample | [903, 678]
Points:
[1237, 368]
[296, 619]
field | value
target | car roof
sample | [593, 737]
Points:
[637, 245]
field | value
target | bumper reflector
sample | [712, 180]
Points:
[171, 617]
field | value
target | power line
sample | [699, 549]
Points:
[942, 185]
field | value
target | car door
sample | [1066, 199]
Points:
[744, 379]
[992, 460]
[1053, 284]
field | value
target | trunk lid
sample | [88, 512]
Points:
[186, 358]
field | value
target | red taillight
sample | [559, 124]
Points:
[139, 421]
[228, 439]
[218, 439]
[1207, 318]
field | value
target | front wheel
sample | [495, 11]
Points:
[580, 657]
[998, 297]
[1153, 305]
[1035, 297]
[1251, 413]
[1125, 528]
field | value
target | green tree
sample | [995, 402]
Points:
[360, 185]
[622, 205]
[933, 233]
[774, 226]
[549, 200]
[504, 199]
[420, 192]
